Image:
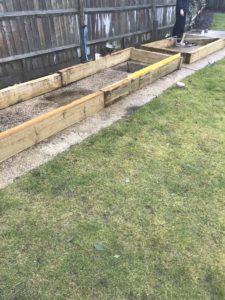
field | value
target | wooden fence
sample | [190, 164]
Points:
[38, 37]
[216, 4]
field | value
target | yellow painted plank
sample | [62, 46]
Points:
[158, 73]
[154, 66]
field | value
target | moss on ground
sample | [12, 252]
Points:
[150, 190]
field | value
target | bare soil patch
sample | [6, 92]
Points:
[24, 111]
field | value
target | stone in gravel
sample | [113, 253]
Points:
[180, 85]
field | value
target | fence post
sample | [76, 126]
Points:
[81, 28]
[155, 21]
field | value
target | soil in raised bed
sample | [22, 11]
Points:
[24, 111]
[185, 49]
[130, 66]
[27, 110]
[101, 79]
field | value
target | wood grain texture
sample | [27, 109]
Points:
[36, 130]
[208, 46]
[114, 92]
[206, 50]
[159, 72]
[147, 57]
[40, 37]
[25, 91]
[81, 71]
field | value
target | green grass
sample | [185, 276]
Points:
[218, 21]
[150, 189]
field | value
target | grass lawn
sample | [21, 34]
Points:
[135, 212]
[218, 21]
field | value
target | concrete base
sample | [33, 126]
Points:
[47, 150]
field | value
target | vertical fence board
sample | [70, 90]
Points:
[26, 34]
[216, 4]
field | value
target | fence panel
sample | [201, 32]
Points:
[216, 4]
[39, 37]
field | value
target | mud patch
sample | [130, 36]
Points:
[65, 96]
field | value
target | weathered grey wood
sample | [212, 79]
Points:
[81, 28]
[116, 9]
[116, 37]
[9, 15]
[39, 37]
[37, 53]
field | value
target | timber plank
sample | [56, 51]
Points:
[147, 57]
[156, 71]
[78, 72]
[206, 50]
[16, 142]
[160, 72]
[25, 91]
[199, 39]
[118, 57]
[117, 90]
[36, 130]
[135, 85]
[208, 46]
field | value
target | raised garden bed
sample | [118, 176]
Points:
[58, 101]
[201, 48]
